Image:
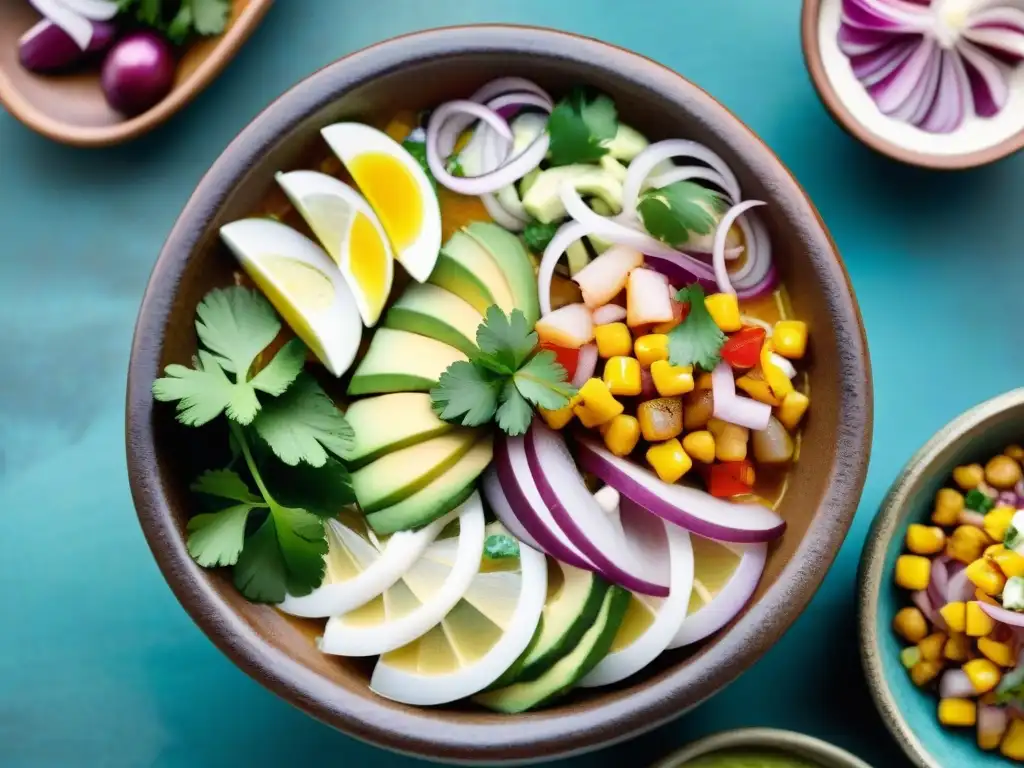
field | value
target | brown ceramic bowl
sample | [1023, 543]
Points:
[417, 71]
[841, 113]
[71, 108]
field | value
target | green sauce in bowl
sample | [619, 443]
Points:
[744, 758]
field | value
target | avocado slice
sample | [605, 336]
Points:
[388, 422]
[439, 314]
[465, 268]
[440, 497]
[626, 144]
[507, 250]
[396, 476]
[543, 199]
[399, 361]
[571, 668]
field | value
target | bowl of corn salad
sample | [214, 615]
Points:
[941, 594]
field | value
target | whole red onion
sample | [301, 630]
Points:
[138, 72]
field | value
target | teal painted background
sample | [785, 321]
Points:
[99, 666]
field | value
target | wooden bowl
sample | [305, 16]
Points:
[71, 108]
[772, 741]
[417, 71]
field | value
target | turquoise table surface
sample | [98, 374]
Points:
[99, 666]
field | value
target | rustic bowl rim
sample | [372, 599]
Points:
[872, 565]
[845, 119]
[536, 736]
[793, 742]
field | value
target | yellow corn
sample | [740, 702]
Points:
[755, 385]
[968, 476]
[1015, 452]
[961, 713]
[924, 672]
[967, 543]
[949, 504]
[671, 380]
[909, 656]
[979, 623]
[596, 404]
[621, 434]
[669, 460]
[703, 381]
[1002, 472]
[794, 406]
[986, 576]
[996, 652]
[700, 446]
[925, 539]
[1013, 741]
[789, 338]
[957, 648]
[559, 418]
[932, 646]
[911, 625]
[981, 597]
[913, 572]
[661, 418]
[622, 375]
[724, 309]
[991, 552]
[649, 348]
[613, 339]
[1009, 562]
[998, 520]
[955, 616]
[730, 440]
[983, 673]
[777, 380]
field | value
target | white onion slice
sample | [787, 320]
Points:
[733, 408]
[718, 249]
[97, 10]
[642, 165]
[78, 27]
[499, 504]
[585, 365]
[500, 214]
[784, 365]
[609, 313]
[566, 235]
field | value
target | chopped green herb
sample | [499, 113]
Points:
[1012, 538]
[454, 166]
[1011, 687]
[978, 501]
[578, 126]
[671, 213]
[498, 546]
[537, 235]
[697, 340]
[1013, 594]
[178, 19]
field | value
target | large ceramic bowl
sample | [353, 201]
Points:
[908, 711]
[418, 71]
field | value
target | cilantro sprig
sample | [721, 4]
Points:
[179, 19]
[499, 546]
[672, 212]
[504, 379]
[579, 125]
[697, 340]
[537, 235]
[288, 435]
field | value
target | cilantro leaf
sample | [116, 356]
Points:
[514, 415]
[236, 324]
[217, 539]
[498, 546]
[1011, 538]
[211, 16]
[181, 25]
[280, 372]
[225, 484]
[418, 150]
[203, 17]
[671, 213]
[542, 381]
[260, 572]
[1011, 687]
[304, 424]
[578, 125]
[204, 392]
[697, 340]
[303, 543]
[466, 394]
[322, 491]
[507, 339]
[978, 501]
[537, 236]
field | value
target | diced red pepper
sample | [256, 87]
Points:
[743, 348]
[730, 478]
[566, 357]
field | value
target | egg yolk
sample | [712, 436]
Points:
[393, 193]
[368, 260]
[287, 283]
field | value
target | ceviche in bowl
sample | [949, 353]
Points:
[489, 396]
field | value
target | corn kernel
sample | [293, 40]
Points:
[924, 672]
[703, 381]
[661, 418]
[961, 713]
[621, 434]
[998, 520]
[957, 648]
[613, 339]
[910, 624]
[755, 385]
[913, 572]
[730, 440]
[925, 539]
[979, 623]
[981, 597]
[996, 652]
[1013, 741]
[724, 309]
[700, 446]
[669, 460]
[794, 406]
[1002, 472]
[649, 348]
[932, 646]
[1009, 562]
[967, 543]
[560, 418]
[986, 576]
[909, 656]
[968, 476]
[596, 404]
[991, 552]
[983, 673]
[949, 504]
[671, 380]
[955, 616]
[1015, 452]
[789, 338]
[622, 375]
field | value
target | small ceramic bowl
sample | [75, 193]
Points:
[978, 142]
[71, 108]
[769, 741]
[908, 711]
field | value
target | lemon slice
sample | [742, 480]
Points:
[304, 286]
[349, 231]
[397, 188]
[360, 567]
[401, 615]
[478, 641]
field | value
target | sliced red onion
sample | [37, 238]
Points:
[971, 517]
[895, 88]
[873, 67]
[924, 604]
[77, 26]
[566, 235]
[687, 507]
[609, 313]
[733, 408]
[585, 365]
[730, 601]
[992, 720]
[1007, 499]
[950, 106]
[854, 41]
[718, 249]
[938, 585]
[989, 79]
[885, 14]
[1012, 618]
[998, 39]
[915, 108]
[48, 48]
[955, 684]
[959, 589]
[499, 504]
[96, 10]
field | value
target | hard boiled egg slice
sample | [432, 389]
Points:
[304, 286]
[349, 231]
[398, 190]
